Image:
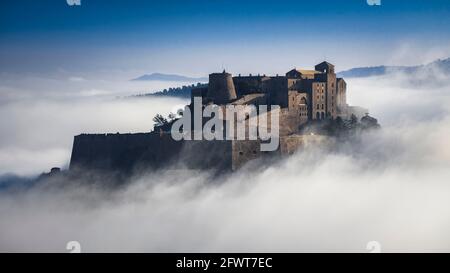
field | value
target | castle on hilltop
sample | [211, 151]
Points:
[303, 96]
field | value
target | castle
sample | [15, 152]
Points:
[304, 96]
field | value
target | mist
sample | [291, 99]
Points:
[391, 186]
[40, 115]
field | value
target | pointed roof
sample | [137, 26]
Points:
[325, 63]
[324, 66]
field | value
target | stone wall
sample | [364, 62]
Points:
[123, 152]
[293, 143]
[127, 153]
[221, 88]
[244, 151]
[249, 84]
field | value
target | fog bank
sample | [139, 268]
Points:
[391, 187]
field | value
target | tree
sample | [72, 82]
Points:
[353, 119]
[172, 116]
[159, 120]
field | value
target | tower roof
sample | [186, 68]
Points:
[325, 63]
[324, 66]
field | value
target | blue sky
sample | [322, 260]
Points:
[196, 36]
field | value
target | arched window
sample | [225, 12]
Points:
[323, 115]
[317, 115]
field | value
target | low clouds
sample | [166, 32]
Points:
[40, 115]
[390, 186]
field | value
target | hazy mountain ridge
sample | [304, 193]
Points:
[169, 77]
[360, 72]
[424, 74]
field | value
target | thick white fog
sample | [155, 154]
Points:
[39, 116]
[393, 187]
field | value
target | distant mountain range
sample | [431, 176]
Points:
[360, 72]
[427, 72]
[169, 78]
